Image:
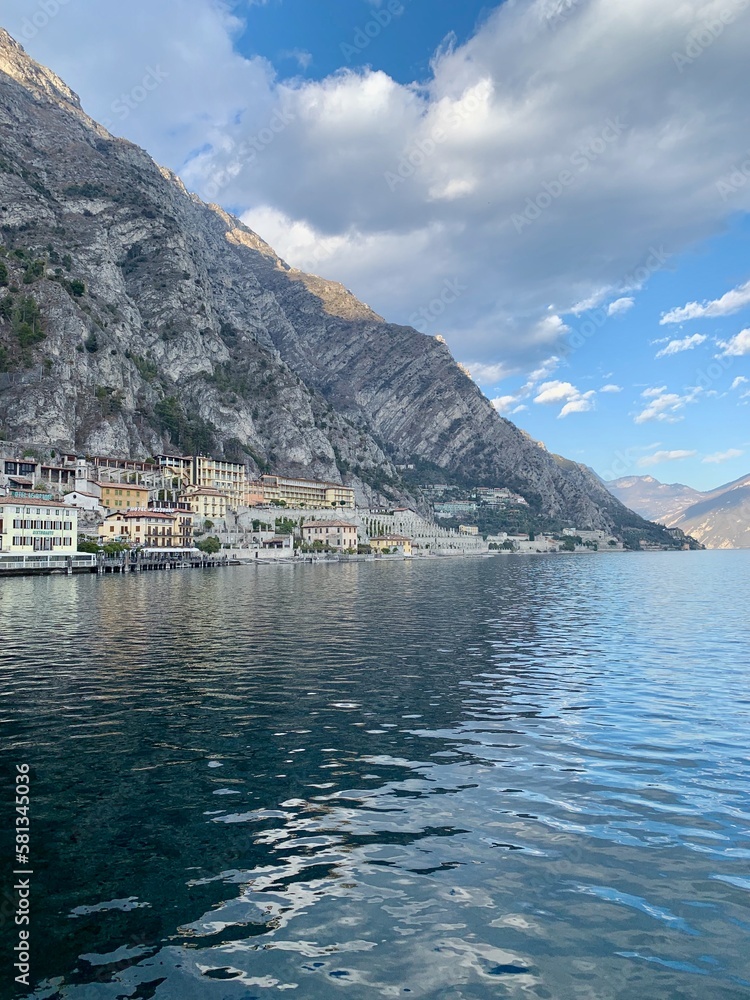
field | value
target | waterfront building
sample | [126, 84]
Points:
[148, 528]
[334, 534]
[399, 542]
[35, 526]
[183, 534]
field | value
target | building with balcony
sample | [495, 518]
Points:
[183, 533]
[305, 493]
[149, 529]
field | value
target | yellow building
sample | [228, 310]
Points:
[184, 525]
[119, 496]
[206, 503]
[31, 526]
[305, 493]
[400, 542]
[229, 478]
[150, 529]
[334, 534]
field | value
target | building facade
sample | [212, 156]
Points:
[28, 527]
[399, 542]
[119, 496]
[305, 493]
[149, 529]
[334, 534]
[205, 503]
[82, 500]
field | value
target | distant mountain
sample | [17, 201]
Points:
[652, 499]
[719, 518]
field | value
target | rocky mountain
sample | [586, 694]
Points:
[652, 499]
[719, 519]
[134, 318]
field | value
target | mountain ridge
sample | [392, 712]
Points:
[718, 518]
[158, 322]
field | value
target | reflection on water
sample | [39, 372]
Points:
[453, 779]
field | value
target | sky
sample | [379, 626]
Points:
[559, 188]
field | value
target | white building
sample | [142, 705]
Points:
[82, 500]
[28, 527]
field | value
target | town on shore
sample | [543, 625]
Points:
[74, 510]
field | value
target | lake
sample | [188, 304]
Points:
[458, 778]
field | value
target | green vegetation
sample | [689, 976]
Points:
[91, 343]
[86, 190]
[3, 275]
[285, 526]
[146, 367]
[210, 545]
[114, 548]
[27, 323]
[33, 271]
[86, 545]
[194, 435]
[110, 399]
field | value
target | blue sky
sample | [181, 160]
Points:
[559, 188]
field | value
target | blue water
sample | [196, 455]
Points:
[460, 778]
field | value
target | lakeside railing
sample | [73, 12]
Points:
[80, 562]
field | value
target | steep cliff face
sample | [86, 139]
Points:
[135, 318]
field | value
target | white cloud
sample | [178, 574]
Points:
[556, 392]
[729, 303]
[664, 456]
[580, 405]
[620, 306]
[740, 380]
[488, 374]
[736, 346]
[686, 344]
[611, 388]
[664, 406]
[300, 56]
[503, 404]
[472, 145]
[723, 456]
